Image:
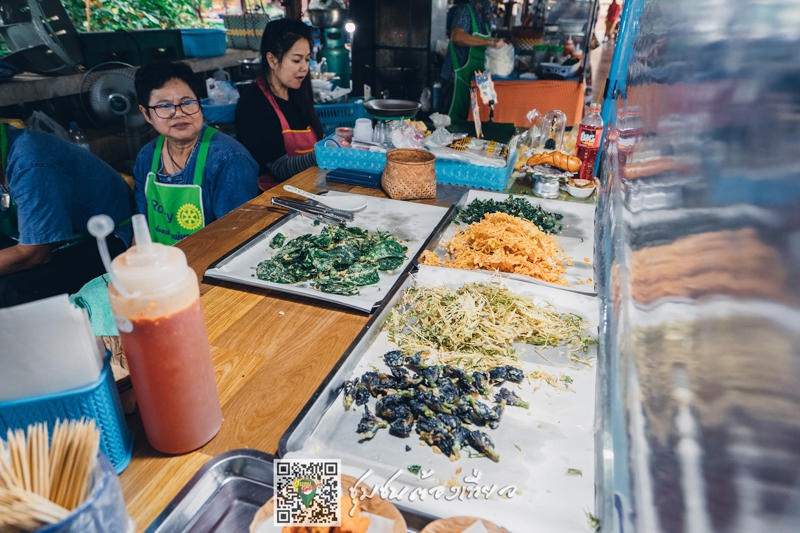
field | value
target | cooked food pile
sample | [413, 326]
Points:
[545, 220]
[507, 244]
[338, 260]
[474, 326]
[441, 403]
[357, 523]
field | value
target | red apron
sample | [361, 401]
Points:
[296, 142]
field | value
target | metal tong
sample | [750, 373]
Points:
[324, 214]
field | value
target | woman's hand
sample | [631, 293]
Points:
[497, 43]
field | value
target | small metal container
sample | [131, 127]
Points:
[547, 181]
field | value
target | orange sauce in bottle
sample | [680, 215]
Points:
[171, 371]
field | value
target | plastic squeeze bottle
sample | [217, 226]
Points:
[162, 330]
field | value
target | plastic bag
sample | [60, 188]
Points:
[104, 509]
[530, 138]
[39, 121]
[426, 99]
[404, 135]
[440, 136]
[500, 61]
[478, 152]
[221, 92]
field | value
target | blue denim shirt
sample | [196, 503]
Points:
[58, 187]
[230, 178]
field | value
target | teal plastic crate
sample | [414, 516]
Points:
[447, 170]
[334, 116]
[473, 176]
[99, 401]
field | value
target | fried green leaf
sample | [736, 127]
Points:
[362, 274]
[330, 286]
[390, 263]
[274, 272]
[277, 241]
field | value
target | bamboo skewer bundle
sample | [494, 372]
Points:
[41, 481]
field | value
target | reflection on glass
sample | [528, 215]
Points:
[698, 255]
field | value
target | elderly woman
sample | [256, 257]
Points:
[191, 174]
[275, 117]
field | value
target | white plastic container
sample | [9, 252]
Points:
[363, 130]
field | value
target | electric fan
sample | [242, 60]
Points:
[109, 99]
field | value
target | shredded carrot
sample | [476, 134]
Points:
[504, 243]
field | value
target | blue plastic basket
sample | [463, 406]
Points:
[334, 116]
[447, 170]
[333, 157]
[458, 173]
[218, 114]
[203, 42]
[99, 401]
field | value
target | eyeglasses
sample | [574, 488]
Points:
[189, 107]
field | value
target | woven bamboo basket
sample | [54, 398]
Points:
[409, 174]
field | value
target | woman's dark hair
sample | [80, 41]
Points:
[155, 75]
[279, 36]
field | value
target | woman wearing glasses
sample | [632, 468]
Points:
[275, 117]
[191, 174]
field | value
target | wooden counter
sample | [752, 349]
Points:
[267, 364]
[271, 351]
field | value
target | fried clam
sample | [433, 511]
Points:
[369, 425]
[439, 402]
[507, 397]
[482, 443]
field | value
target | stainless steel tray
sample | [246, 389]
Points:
[414, 224]
[576, 238]
[310, 434]
[225, 494]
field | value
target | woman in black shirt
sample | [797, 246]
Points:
[275, 117]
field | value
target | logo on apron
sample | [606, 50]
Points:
[189, 217]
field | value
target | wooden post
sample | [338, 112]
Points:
[88, 3]
[294, 8]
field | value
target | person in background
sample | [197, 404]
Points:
[469, 37]
[449, 19]
[192, 174]
[275, 117]
[49, 189]
[612, 20]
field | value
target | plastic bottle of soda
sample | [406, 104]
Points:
[164, 336]
[587, 144]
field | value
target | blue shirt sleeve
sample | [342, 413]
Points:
[461, 19]
[234, 182]
[43, 196]
[140, 170]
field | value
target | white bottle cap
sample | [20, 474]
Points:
[149, 267]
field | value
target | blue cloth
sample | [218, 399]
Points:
[460, 18]
[230, 178]
[58, 187]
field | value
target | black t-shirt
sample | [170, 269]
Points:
[259, 129]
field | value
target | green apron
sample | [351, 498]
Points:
[459, 109]
[8, 217]
[176, 211]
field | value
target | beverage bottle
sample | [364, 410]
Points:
[630, 129]
[163, 333]
[77, 136]
[569, 46]
[590, 132]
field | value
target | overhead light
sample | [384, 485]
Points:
[350, 27]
